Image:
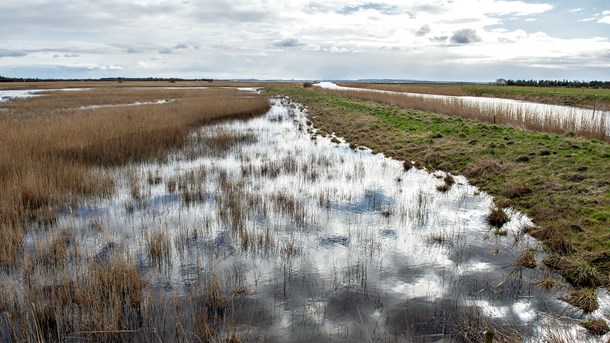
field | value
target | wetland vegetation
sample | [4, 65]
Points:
[220, 215]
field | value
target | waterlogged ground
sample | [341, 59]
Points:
[287, 236]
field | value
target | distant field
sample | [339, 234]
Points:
[581, 97]
[127, 84]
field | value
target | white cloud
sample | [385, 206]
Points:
[215, 37]
[576, 10]
[604, 20]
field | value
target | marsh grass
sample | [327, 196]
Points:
[527, 258]
[159, 247]
[597, 327]
[585, 299]
[497, 217]
[53, 153]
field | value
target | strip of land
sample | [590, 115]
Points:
[581, 97]
[562, 182]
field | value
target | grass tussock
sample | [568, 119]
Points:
[585, 299]
[497, 217]
[527, 258]
[159, 248]
[53, 152]
[597, 327]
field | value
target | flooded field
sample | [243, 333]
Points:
[264, 230]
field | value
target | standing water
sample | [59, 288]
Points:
[283, 235]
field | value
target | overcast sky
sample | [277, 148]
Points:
[462, 40]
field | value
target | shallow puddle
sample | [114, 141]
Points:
[306, 239]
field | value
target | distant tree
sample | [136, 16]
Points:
[501, 82]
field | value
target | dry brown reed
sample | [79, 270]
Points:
[52, 153]
[159, 248]
[94, 302]
[521, 118]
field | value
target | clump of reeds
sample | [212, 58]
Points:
[290, 250]
[497, 217]
[56, 251]
[584, 298]
[527, 258]
[484, 167]
[158, 245]
[448, 181]
[441, 239]
[577, 271]
[597, 327]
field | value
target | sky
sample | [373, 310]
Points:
[437, 40]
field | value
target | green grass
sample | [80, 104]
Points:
[561, 182]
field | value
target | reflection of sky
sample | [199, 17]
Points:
[362, 228]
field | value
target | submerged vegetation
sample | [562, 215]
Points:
[559, 180]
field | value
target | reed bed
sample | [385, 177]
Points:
[521, 117]
[52, 153]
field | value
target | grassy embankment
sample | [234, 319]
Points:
[561, 182]
[581, 97]
[53, 154]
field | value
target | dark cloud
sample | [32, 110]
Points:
[165, 51]
[133, 51]
[465, 36]
[424, 30]
[11, 53]
[181, 46]
[287, 43]
[71, 55]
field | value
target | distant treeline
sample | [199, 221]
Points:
[112, 79]
[555, 83]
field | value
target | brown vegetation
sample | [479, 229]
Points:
[53, 153]
[597, 327]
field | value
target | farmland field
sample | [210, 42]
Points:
[224, 215]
